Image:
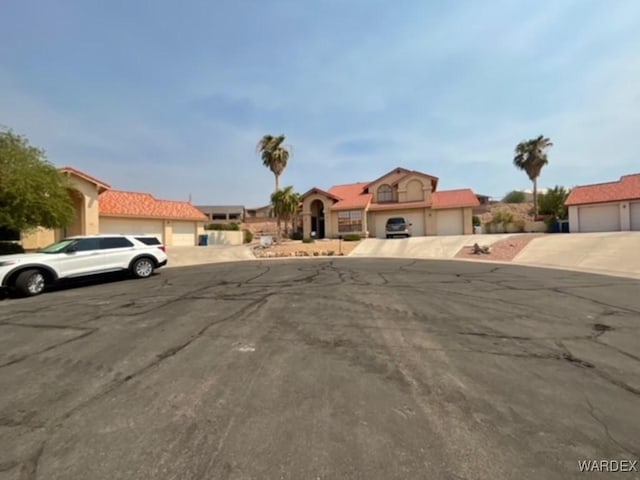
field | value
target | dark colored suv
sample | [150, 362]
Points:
[397, 226]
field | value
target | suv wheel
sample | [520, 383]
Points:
[143, 267]
[30, 283]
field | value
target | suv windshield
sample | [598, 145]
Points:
[58, 246]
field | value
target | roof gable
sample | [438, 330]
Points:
[74, 171]
[319, 191]
[627, 188]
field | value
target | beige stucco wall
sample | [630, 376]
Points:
[91, 215]
[467, 221]
[414, 188]
[38, 238]
[225, 237]
[430, 222]
[329, 226]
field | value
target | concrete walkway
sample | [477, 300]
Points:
[186, 256]
[422, 247]
[612, 253]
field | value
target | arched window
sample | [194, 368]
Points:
[385, 193]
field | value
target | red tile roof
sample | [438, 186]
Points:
[463, 197]
[350, 196]
[86, 176]
[627, 188]
[117, 203]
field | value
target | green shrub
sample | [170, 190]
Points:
[308, 240]
[514, 197]
[248, 236]
[476, 221]
[9, 248]
[351, 237]
[233, 227]
[503, 217]
[296, 236]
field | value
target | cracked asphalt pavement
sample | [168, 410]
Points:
[318, 369]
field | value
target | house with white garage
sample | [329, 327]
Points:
[100, 209]
[605, 207]
[364, 207]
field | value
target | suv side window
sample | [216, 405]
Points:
[108, 243]
[149, 240]
[86, 244]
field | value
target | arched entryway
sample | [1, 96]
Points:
[317, 218]
[78, 225]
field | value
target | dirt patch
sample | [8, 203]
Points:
[503, 250]
[293, 248]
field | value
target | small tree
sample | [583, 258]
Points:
[33, 193]
[514, 196]
[285, 205]
[552, 202]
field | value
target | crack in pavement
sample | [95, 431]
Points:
[605, 427]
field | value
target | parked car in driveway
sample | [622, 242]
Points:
[30, 273]
[397, 226]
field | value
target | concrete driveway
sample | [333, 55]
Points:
[610, 253]
[422, 247]
[317, 369]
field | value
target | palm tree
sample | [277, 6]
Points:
[274, 155]
[285, 205]
[531, 157]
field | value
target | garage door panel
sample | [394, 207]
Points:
[184, 234]
[128, 226]
[634, 211]
[599, 218]
[450, 222]
[415, 218]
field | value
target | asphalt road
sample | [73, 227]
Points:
[316, 369]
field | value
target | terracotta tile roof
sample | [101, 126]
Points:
[351, 196]
[627, 188]
[135, 204]
[463, 197]
[75, 171]
[399, 205]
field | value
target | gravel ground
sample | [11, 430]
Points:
[503, 250]
[292, 247]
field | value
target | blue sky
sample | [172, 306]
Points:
[171, 97]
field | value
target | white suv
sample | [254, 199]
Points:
[30, 273]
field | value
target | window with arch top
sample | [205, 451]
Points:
[385, 193]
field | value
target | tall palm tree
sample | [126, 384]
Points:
[285, 205]
[274, 155]
[531, 157]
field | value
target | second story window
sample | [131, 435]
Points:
[385, 193]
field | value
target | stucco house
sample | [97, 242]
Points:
[365, 207]
[605, 207]
[101, 209]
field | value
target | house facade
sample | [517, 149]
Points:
[605, 207]
[364, 208]
[99, 209]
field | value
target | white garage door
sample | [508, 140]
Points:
[415, 218]
[599, 218]
[132, 226]
[184, 234]
[450, 222]
[634, 211]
